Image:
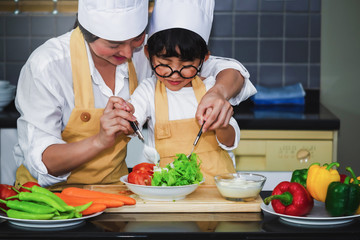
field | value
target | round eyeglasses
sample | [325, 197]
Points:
[186, 72]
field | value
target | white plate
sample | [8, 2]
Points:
[157, 193]
[47, 223]
[318, 216]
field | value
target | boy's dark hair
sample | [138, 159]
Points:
[190, 44]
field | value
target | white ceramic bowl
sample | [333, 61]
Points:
[155, 193]
[240, 186]
[4, 84]
[6, 96]
[7, 92]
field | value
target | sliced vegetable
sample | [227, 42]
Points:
[144, 167]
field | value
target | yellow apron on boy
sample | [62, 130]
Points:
[177, 136]
[108, 166]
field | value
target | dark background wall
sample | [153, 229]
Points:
[278, 41]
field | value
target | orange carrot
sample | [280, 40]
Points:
[108, 202]
[79, 192]
[75, 201]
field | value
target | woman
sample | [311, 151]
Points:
[71, 131]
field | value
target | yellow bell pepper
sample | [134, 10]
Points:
[319, 178]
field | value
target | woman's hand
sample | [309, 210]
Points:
[115, 121]
[215, 109]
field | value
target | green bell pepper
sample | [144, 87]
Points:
[343, 199]
[299, 176]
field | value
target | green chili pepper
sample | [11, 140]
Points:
[25, 215]
[29, 207]
[37, 189]
[343, 198]
[299, 176]
[39, 197]
[83, 207]
[65, 215]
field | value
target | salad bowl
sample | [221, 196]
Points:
[160, 193]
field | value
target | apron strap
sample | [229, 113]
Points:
[133, 82]
[80, 71]
[162, 125]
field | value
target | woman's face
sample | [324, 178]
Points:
[115, 52]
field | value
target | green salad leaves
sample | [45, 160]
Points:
[182, 171]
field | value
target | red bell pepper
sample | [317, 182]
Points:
[5, 192]
[290, 198]
[29, 185]
[342, 177]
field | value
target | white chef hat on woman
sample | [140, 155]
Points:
[115, 20]
[194, 15]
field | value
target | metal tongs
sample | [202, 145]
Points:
[196, 140]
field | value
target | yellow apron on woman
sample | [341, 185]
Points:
[109, 165]
[177, 136]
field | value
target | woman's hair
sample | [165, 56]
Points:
[190, 44]
[88, 36]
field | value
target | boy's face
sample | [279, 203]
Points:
[165, 65]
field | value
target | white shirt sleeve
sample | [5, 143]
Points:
[214, 65]
[40, 125]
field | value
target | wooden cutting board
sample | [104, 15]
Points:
[205, 198]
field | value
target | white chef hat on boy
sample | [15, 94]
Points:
[194, 15]
[115, 20]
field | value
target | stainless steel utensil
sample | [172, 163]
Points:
[196, 139]
[149, 152]
[137, 131]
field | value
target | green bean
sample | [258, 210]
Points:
[37, 189]
[29, 207]
[25, 215]
[38, 197]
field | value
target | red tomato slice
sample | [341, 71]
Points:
[144, 167]
[140, 178]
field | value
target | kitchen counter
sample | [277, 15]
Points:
[186, 226]
[312, 116]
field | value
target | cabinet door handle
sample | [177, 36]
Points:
[303, 155]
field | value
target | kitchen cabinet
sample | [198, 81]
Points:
[284, 150]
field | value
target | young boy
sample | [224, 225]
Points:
[177, 49]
